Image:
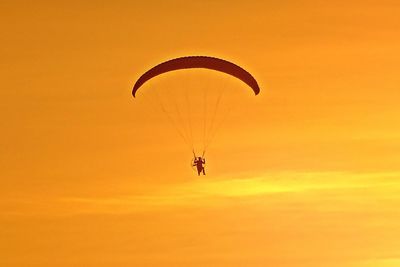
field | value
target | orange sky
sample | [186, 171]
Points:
[305, 174]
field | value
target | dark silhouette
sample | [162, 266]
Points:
[204, 62]
[197, 62]
[199, 163]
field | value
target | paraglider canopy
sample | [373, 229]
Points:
[205, 62]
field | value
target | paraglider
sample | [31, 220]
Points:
[199, 164]
[195, 62]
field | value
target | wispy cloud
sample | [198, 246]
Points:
[210, 191]
[385, 262]
[217, 191]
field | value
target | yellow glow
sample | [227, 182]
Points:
[305, 174]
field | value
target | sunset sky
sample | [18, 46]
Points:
[305, 174]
